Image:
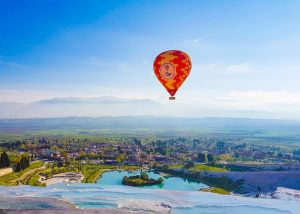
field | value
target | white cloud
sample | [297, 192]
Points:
[195, 43]
[239, 68]
[252, 100]
[106, 66]
[93, 60]
[225, 68]
[272, 97]
[27, 95]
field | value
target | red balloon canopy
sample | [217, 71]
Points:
[171, 69]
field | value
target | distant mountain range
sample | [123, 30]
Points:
[78, 106]
[115, 106]
[138, 122]
[106, 100]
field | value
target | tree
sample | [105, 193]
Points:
[60, 164]
[160, 180]
[120, 158]
[205, 158]
[23, 163]
[4, 160]
[226, 157]
[201, 157]
[120, 149]
[162, 149]
[137, 141]
[54, 148]
[220, 144]
[210, 157]
[144, 176]
[189, 164]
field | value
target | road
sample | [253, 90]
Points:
[5, 171]
[24, 178]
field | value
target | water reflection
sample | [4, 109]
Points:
[170, 183]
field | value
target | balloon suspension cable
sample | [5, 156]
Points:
[172, 98]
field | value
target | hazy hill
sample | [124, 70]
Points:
[136, 122]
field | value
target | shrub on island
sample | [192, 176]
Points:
[141, 180]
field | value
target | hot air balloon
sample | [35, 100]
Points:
[171, 69]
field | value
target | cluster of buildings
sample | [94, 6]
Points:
[171, 151]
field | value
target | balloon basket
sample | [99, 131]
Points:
[172, 98]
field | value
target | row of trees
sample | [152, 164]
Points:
[19, 163]
[22, 164]
[205, 157]
[4, 160]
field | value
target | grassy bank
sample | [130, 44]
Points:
[216, 190]
[34, 181]
[93, 172]
[200, 167]
[31, 175]
[22, 177]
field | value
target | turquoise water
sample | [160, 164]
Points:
[170, 183]
[228, 210]
[176, 196]
[87, 196]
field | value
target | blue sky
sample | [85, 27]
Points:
[245, 54]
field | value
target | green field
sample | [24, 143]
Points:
[200, 167]
[216, 190]
[90, 172]
[16, 178]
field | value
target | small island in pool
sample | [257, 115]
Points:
[141, 180]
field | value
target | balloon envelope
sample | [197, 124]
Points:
[171, 69]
